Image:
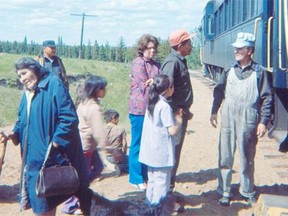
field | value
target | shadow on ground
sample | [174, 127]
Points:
[201, 177]
[207, 203]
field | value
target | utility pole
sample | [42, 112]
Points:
[82, 30]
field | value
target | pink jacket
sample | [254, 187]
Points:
[141, 70]
[91, 125]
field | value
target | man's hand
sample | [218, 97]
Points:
[13, 138]
[261, 130]
[213, 120]
[3, 137]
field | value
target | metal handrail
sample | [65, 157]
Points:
[280, 33]
[269, 43]
[285, 27]
[255, 28]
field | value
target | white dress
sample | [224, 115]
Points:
[157, 148]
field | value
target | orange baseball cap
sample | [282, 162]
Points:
[179, 36]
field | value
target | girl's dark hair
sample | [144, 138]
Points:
[110, 114]
[143, 42]
[91, 86]
[160, 84]
[80, 94]
[31, 64]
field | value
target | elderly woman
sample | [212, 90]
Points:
[46, 114]
[143, 69]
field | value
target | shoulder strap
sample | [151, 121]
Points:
[48, 152]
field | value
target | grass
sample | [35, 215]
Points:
[116, 74]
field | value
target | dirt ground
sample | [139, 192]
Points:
[197, 173]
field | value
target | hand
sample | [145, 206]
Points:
[179, 112]
[13, 138]
[55, 145]
[149, 82]
[3, 137]
[261, 130]
[213, 120]
[179, 115]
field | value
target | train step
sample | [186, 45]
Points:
[271, 205]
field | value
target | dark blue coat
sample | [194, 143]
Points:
[52, 118]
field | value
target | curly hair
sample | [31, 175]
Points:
[143, 42]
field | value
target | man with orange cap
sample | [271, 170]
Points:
[175, 65]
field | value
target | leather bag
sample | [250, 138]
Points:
[56, 180]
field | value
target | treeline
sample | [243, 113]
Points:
[95, 51]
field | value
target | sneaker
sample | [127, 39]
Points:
[250, 200]
[224, 201]
[78, 212]
[141, 186]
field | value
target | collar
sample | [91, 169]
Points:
[174, 52]
[146, 60]
[163, 98]
[44, 81]
[49, 59]
[252, 65]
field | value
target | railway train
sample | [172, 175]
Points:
[268, 21]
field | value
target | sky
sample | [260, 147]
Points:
[40, 20]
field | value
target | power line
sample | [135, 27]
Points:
[82, 29]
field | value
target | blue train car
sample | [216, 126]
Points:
[268, 21]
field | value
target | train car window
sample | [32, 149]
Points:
[257, 7]
[232, 13]
[221, 19]
[252, 7]
[244, 10]
[210, 24]
[236, 12]
[240, 11]
[217, 22]
[226, 20]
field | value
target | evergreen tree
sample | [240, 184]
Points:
[120, 51]
[95, 51]
[88, 51]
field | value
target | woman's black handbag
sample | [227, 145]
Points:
[56, 180]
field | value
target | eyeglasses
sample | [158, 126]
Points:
[151, 47]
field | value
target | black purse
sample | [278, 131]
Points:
[56, 180]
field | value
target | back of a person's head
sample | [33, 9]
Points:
[161, 82]
[110, 114]
[93, 84]
[80, 94]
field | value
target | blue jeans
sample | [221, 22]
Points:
[137, 170]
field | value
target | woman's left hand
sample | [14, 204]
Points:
[55, 145]
[149, 82]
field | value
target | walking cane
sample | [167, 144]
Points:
[3, 143]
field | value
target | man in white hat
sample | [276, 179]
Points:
[245, 113]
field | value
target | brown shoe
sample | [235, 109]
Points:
[179, 208]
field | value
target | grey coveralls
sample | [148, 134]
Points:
[239, 122]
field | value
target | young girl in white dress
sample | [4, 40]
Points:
[157, 149]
